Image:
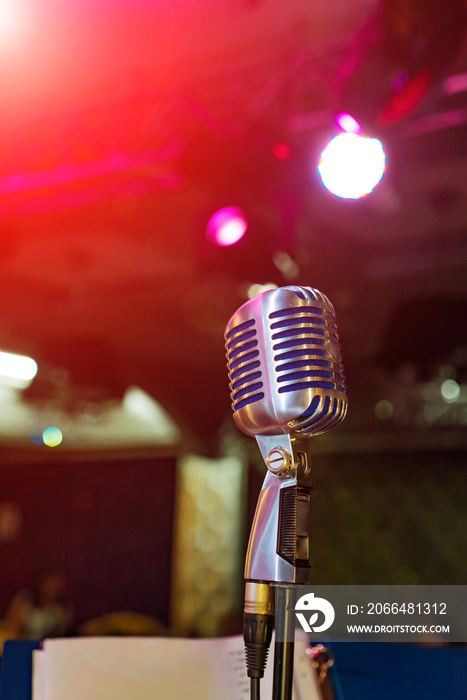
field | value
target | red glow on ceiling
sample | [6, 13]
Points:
[282, 151]
[407, 100]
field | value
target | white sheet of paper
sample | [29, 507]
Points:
[37, 656]
[132, 668]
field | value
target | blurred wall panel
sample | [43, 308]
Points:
[381, 517]
[106, 524]
[209, 552]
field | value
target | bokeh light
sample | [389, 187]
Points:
[384, 410]
[450, 391]
[281, 150]
[52, 436]
[348, 123]
[36, 438]
[255, 289]
[227, 226]
[351, 165]
[17, 367]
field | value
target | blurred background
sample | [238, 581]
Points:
[124, 127]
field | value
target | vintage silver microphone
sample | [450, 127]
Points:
[287, 383]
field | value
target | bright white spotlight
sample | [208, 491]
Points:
[17, 370]
[351, 165]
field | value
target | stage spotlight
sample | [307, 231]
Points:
[227, 226]
[351, 165]
[17, 370]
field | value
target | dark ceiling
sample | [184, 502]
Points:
[124, 125]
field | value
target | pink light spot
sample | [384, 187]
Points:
[227, 226]
[348, 123]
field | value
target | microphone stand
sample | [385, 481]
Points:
[284, 650]
[278, 397]
[277, 557]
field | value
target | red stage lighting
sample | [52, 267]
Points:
[401, 51]
[282, 151]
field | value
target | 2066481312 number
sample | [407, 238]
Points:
[406, 608]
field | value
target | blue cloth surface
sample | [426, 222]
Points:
[16, 671]
[378, 671]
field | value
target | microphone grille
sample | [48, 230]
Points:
[244, 363]
[285, 364]
[308, 357]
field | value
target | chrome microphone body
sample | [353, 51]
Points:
[287, 382]
[285, 364]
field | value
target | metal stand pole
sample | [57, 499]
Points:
[284, 644]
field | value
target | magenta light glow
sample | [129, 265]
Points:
[227, 226]
[348, 123]
[351, 166]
